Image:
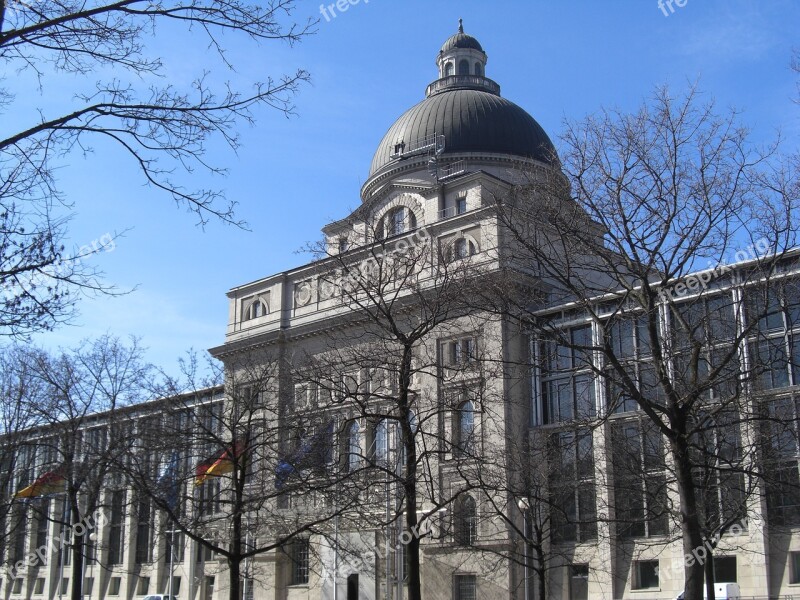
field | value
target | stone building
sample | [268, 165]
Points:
[386, 356]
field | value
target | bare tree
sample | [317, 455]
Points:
[213, 468]
[72, 452]
[644, 202]
[16, 388]
[162, 129]
[410, 375]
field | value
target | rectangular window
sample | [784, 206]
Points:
[38, 586]
[176, 585]
[629, 339]
[64, 586]
[143, 586]
[770, 368]
[645, 575]
[783, 495]
[300, 561]
[20, 533]
[572, 486]
[640, 485]
[116, 528]
[42, 528]
[461, 205]
[579, 582]
[794, 567]
[763, 309]
[176, 550]
[465, 587]
[773, 314]
[567, 390]
[719, 470]
[209, 497]
[780, 450]
[88, 584]
[114, 586]
[205, 553]
[725, 569]
[460, 352]
[144, 531]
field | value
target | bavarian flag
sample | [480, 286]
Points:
[219, 464]
[49, 483]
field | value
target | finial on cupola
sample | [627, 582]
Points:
[461, 26]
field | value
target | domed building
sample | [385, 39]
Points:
[463, 123]
[386, 430]
[427, 210]
[424, 435]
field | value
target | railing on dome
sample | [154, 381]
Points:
[433, 143]
[466, 81]
[455, 168]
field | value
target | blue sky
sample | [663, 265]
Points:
[558, 60]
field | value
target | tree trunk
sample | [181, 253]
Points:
[693, 548]
[234, 568]
[541, 575]
[235, 557]
[410, 478]
[76, 548]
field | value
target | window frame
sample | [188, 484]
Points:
[255, 307]
[572, 485]
[465, 521]
[776, 334]
[562, 367]
[637, 583]
[642, 481]
[300, 565]
[352, 446]
[466, 578]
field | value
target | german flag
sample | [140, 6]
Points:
[218, 465]
[49, 483]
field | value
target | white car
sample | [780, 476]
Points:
[159, 597]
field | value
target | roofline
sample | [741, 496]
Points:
[730, 267]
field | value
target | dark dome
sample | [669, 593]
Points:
[461, 40]
[471, 121]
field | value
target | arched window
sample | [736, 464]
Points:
[257, 308]
[381, 443]
[478, 69]
[465, 428]
[398, 220]
[448, 69]
[465, 526]
[353, 443]
[463, 248]
[463, 67]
